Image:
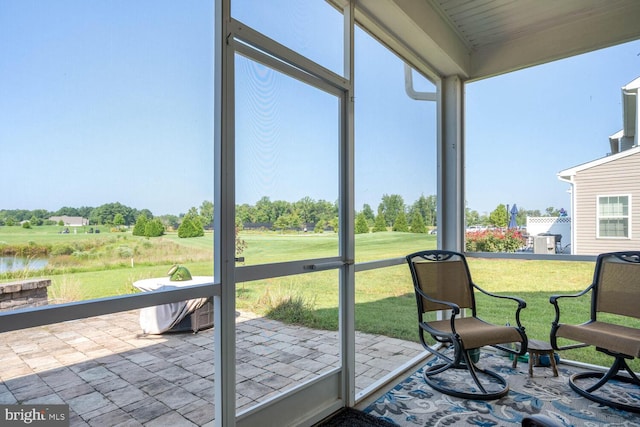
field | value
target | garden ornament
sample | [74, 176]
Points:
[179, 273]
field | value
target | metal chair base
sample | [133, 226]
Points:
[482, 393]
[618, 365]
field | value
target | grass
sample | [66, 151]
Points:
[385, 302]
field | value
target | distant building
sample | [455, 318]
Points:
[605, 193]
[70, 221]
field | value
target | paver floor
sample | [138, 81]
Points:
[111, 374]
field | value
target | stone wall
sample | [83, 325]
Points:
[24, 293]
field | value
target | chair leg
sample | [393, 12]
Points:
[468, 365]
[618, 365]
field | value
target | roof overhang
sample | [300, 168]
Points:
[483, 38]
[568, 174]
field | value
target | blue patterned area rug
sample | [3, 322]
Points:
[414, 403]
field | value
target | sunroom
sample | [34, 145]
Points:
[285, 106]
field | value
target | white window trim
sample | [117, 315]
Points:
[629, 217]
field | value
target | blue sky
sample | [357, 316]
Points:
[525, 127]
[112, 101]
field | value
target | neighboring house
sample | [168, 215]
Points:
[70, 221]
[606, 192]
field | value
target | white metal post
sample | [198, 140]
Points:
[451, 200]
[347, 217]
[224, 230]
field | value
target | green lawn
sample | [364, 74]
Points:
[385, 303]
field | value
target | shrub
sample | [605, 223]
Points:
[361, 224]
[190, 227]
[125, 252]
[141, 225]
[63, 249]
[401, 223]
[153, 228]
[417, 223]
[494, 241]
[379, 224]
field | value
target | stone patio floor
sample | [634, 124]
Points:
[110, 374]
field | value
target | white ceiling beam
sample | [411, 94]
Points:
[416, 32]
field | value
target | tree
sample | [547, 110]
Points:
[426, 207]
[118, 220]
[362, 226]
[368, 213]
[379, 224]
[263, 211]
[154, 228]
[170, 221]
[191, 225]
[401, 222]
[306, 209]
[279, 208]
[295, 221]
[245, 214]
[334, 223]
[391, 206]
[417, 224]
[551, 211]
[141, 225]
[206, 212]
[471, 217]
[146, 212]
[282, 223]
[499, 217]
[106, 213]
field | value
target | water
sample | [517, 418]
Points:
[11, 263]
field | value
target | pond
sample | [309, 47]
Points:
[13, 263]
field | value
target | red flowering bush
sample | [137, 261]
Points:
[494, 241]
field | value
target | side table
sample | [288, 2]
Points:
[536, 349]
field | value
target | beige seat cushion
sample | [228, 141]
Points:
[617, 338]
[476, 333]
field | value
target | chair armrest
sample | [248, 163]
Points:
[553, 299]
[521, 303]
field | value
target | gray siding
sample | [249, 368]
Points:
[618, 177]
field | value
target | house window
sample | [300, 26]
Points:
[613, 216]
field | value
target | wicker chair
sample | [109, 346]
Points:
[442, 281]
[615, 291]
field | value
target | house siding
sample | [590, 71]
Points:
[618, 177]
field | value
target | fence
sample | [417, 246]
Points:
[558, 225]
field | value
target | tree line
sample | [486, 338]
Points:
[319, 215]
[110, 214]
[305, 214]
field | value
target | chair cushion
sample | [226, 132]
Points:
[476, 333]
[617, 338]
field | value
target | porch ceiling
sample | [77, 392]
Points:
[476, 39]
